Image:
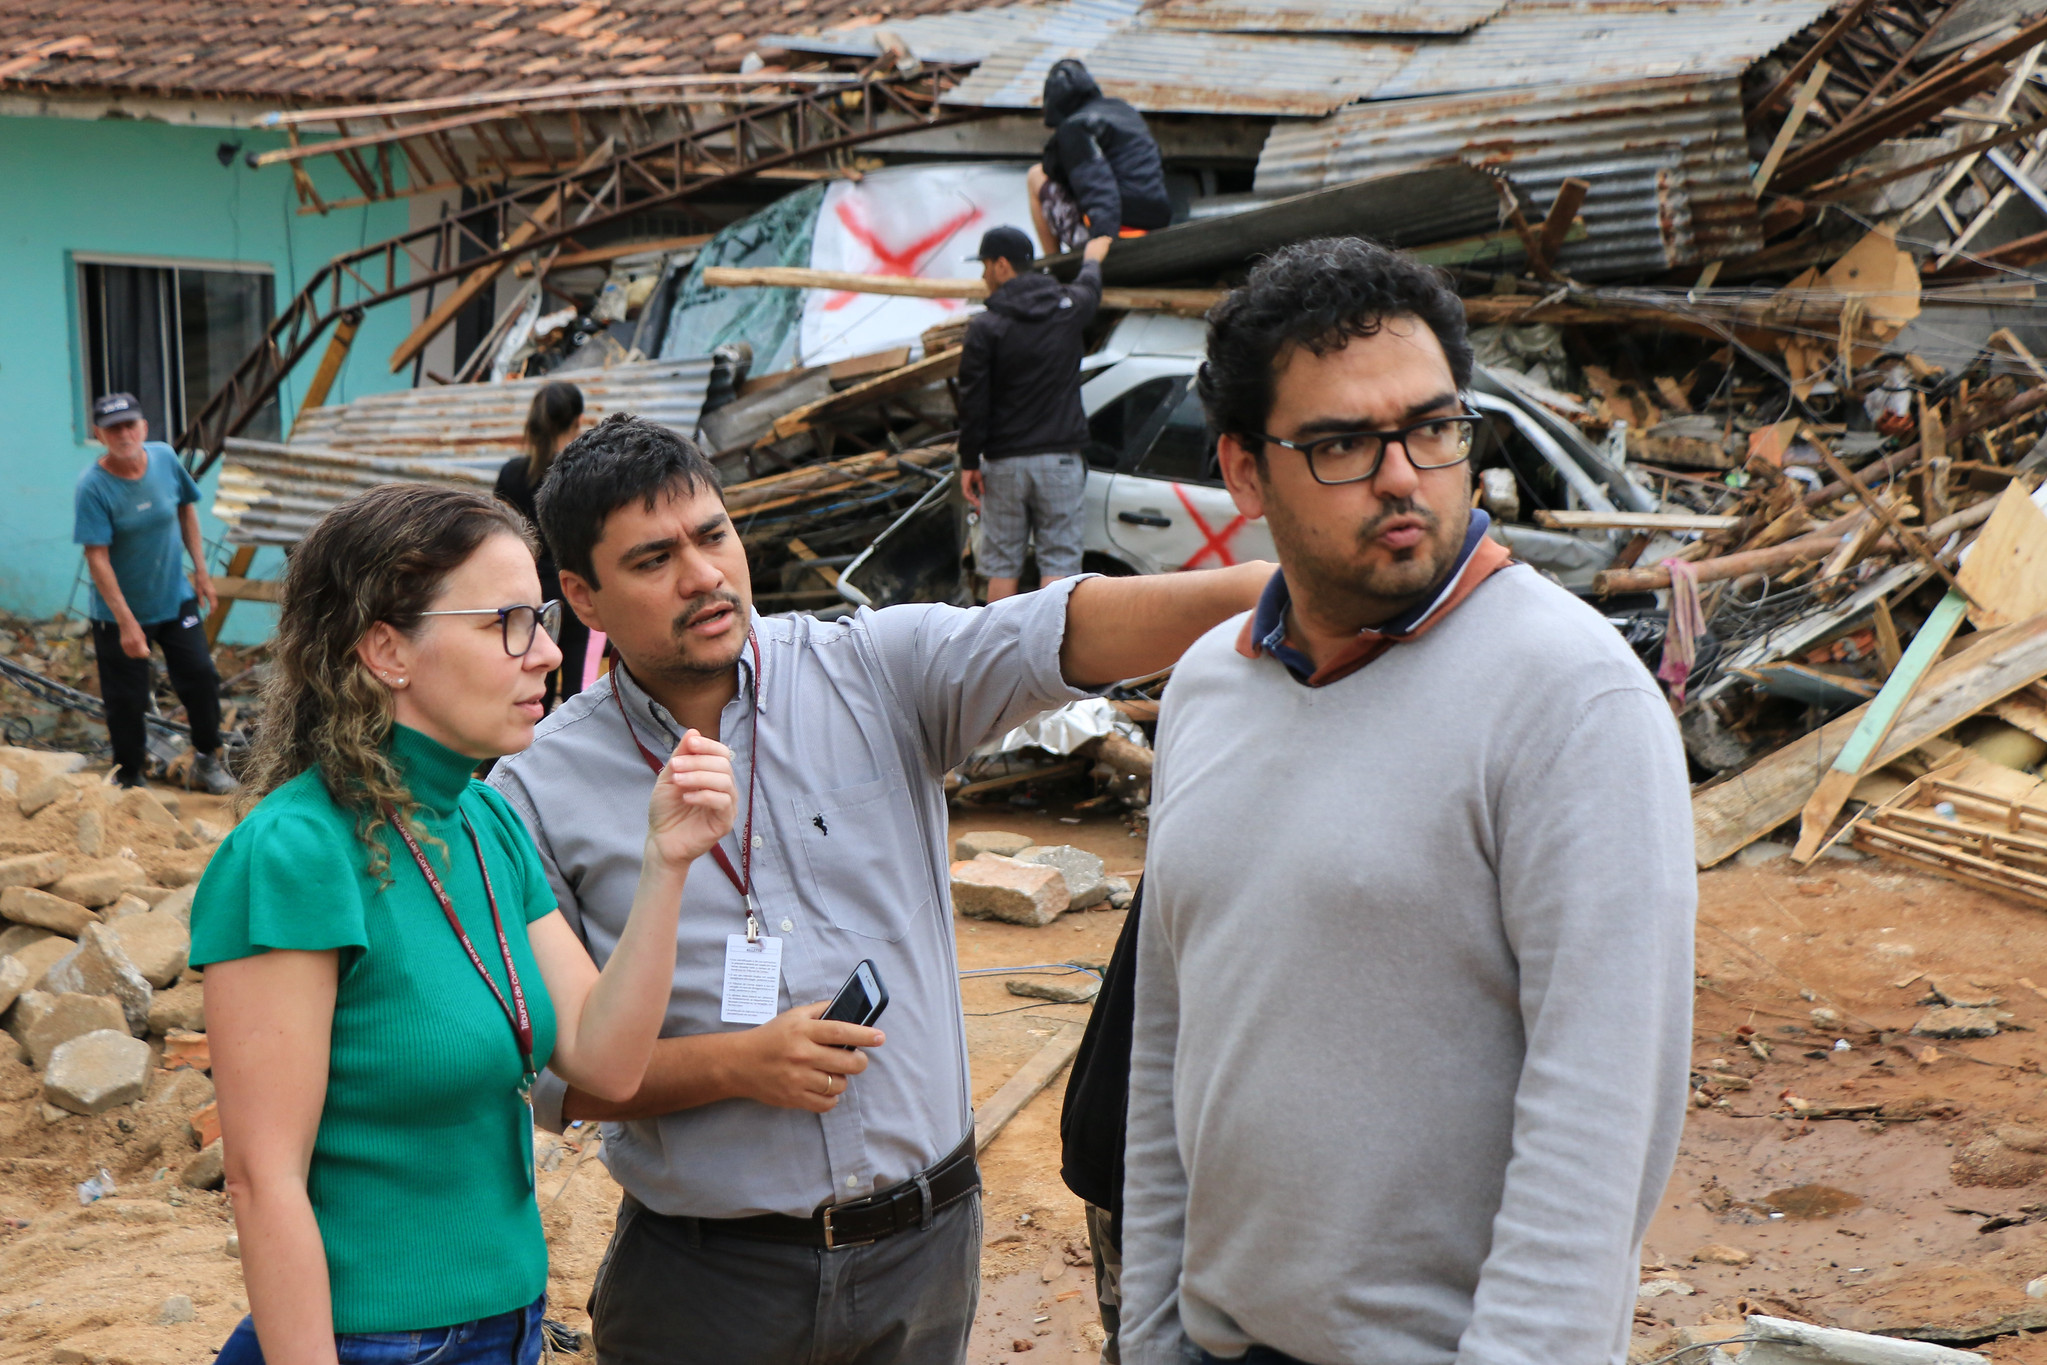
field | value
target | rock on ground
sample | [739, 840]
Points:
[100, 966]
[26, 905]
[1121, 894]
[92, 1073]
[68, 1017]
[974, 843]
[1075, 990]
[1719, 1254]
[178, 903]
[142, 804]
[1087, 883]
[176, 1309]
[991, 887]
[207, 1170]
[129, 904]
[13, 981]
[38, 792]
[15, 937]
[180, 1007]
[1949, 1021]
[40, 956]
[157, 944]
[31, 869]
[29, 1008]
[100, 885]
[92, 831]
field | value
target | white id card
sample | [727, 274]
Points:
[753, 980]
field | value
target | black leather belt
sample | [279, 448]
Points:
[861, 1222]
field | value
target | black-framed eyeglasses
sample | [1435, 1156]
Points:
[1354, 456]
[519, 623]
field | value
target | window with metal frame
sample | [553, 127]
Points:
[171, 334]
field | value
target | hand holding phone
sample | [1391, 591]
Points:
[861, 1000]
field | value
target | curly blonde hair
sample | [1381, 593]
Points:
[381, 556]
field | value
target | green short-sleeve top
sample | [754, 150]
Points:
[421, 1170]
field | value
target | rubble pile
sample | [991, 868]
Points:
[96, 993]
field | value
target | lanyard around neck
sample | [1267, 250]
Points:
[515, 1008]
[741, 877]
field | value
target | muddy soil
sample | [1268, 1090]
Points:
[1892, 1184]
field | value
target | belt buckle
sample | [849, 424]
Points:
[831, 1242]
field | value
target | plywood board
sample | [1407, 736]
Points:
[2006, 568]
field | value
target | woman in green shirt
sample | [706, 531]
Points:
[387, 968]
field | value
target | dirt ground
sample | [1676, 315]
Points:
[1835, 1168]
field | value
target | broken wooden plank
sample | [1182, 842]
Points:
[1636, 521]
[1728, 816]
[616, 251]
[1019, 1090]
[1878, 718]
[931, 369]
[1190, 302]
[2005, 569]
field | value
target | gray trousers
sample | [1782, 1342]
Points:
[673, 1291]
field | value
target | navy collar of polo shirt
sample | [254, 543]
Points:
[1268, 621]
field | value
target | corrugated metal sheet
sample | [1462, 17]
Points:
[271, 494]
[1526, 43]
[1180, 71]
[1667, 161]
[1324, 16]
[1556, 42]
[971, 36]
[489, 419]
[1408, 208]
[457, 435]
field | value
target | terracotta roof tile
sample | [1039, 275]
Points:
[386, 50]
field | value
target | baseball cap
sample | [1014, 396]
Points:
[1005, 244]
[112, 409]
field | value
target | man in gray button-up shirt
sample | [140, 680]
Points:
[842, 732]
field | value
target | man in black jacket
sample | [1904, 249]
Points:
[1021, 423]
[1101, 172]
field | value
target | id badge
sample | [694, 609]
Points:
[753, 980]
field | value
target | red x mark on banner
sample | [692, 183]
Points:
[1213, 542]
[907, 260]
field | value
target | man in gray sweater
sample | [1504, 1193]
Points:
[1415, 970]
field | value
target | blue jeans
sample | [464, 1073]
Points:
[506, 1339]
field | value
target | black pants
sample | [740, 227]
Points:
[566, 681]
[124, 686]
[675, 1291]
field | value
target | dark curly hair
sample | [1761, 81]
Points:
[1319, 295]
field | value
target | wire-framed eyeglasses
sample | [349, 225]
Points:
[1354, 456]
[519, 623]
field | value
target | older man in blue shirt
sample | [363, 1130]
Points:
[796, 1189]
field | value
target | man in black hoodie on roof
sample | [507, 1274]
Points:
[1101, 172]
[1021, 423]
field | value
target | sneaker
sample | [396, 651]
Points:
[213, 775]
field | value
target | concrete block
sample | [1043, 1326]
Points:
[95, 1071]
[13, 981]
[26, 905]
[42, 955]
[100, 966]
[31, 869]
[101, 885]
[1087, 882]
[29, 1008]
[974, 843]
[157, 944]
[1004, 889]
[180, 1007]
[68, 1017]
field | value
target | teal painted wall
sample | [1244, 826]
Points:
[140, 188]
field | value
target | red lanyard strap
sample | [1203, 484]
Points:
[515, 1009]
[742, 876]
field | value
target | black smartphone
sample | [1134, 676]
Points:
[862, 999]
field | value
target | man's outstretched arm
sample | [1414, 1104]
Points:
[1127, 627]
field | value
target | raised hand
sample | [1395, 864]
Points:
[693, 801]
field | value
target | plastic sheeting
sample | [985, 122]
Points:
[1065, 728]
[704, 319]
[907, 220]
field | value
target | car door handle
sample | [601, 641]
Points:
[1144, 519]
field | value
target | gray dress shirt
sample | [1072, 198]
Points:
[858, 722]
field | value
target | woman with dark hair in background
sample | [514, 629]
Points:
[551, 423]
[387, 968]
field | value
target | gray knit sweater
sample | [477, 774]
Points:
[1413, 997]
